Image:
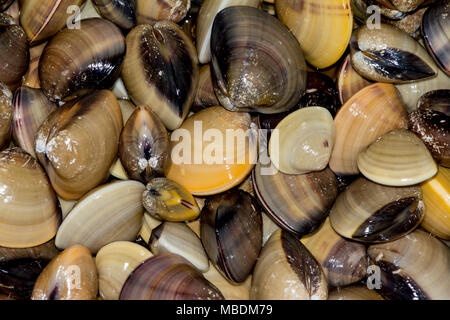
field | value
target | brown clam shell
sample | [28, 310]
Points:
[122, 13]
[149, 11]
[31, 78]
[6, 115]
[205, 96]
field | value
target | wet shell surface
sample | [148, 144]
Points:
[257, 64]
[205, 96]
[397, 158]
[178, 238]
[387, 54]
[371, 212]
[437, 201]
[303, 141]
[112, 212]
[6, 115]
[144, 146]
[371, 112]
[208, 12]
[168, 277]
[436, 33]
[41, 20]
[231, 233]
[31, 108]
[167, 200]
[354, 293]
[349, 81]
[75, 153]
[122, 13]
[298, 203]
[149, 11]
[437, 100]
[413, 267]
[30, 215]
[78, 61]
[160, 70]
[343, 262]
[286, 270]
[72, 275]
[115, 262]
[323, 28]
[210, 169]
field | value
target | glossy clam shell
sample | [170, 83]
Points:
[6, 115]
[231, 233]
[397, 158]
[212, 174]
[413, 267]
[388, 54]
[168, 277]
[437, 201]
[58, 281]
[149, 11]
[167, 200]
[354, 293]
[31, 108]
[208, 11]
[297, 203]
[323, 28]
[286, 270]
[14, 54]
[41, 20]
[304, 141]
[257, 64]
[205, 96]
[31, 78]
[78, 61]
[230, 291]
[437, 100]
[75, 153]
[112, 212]
[160, 70]
[371, 212]
[178, 238]
[436, 33]
[144, 145]
[433, 128]
[349, 81]
[30, 215]
[410, 23]
[343, 262]
[122, 13]
[371, 112]
[115, 262]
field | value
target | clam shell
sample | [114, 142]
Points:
[371, 212]
[75, 153]
[354, 293]
[205, 96]
[115, 262]
[231, 233]
[304, 141]
[119, 90]
[112, 212]
[371, 112]
[297, 203]
[78, 61]
[410, 23]
[388, 54]
[31, 78]
[413, 267]
[160, 70]
[436, 33]
[323, 28]
[14, 53]
[168, 277]
[30, 215]
[4, 4]
[286, 270]
[437, 100]
[72, 275]
[208, 12]
[167, 200]
[437, 201]
[205, 170]
[343, 262]
[257, 64]
[144, 145]
[406, 5]
[149, 223]
[31, 108]
[13, 10]
[122, 13]
[41, 20]
[149, 11]
[178, 238]
[230, 291]
[349, 81]
[6, 115]
[397, 158]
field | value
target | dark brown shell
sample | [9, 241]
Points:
[122, 13]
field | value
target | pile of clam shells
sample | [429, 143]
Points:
[344, 188]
